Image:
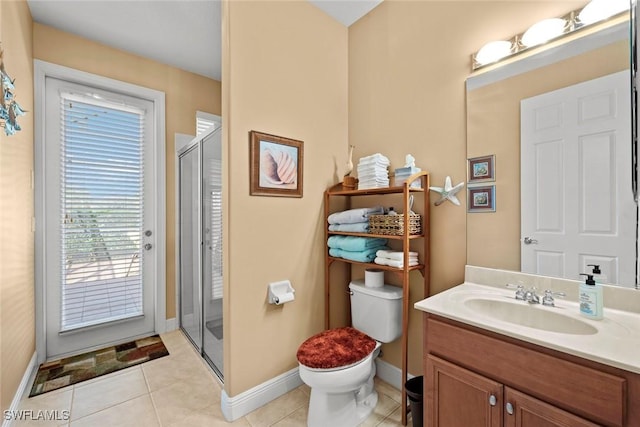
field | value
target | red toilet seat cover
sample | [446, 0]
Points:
[335, 348]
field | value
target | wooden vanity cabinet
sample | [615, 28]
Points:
[478, 378]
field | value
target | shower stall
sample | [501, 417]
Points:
[200, 245]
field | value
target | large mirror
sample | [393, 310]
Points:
[502, 239]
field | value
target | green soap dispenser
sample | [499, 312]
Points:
[590, 298]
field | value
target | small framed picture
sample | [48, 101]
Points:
[482, 169]
[275, 165]
[481, 199]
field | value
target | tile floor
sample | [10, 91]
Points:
[178, 390]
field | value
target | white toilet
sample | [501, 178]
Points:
[338, 364]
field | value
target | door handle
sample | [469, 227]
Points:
[529, 241]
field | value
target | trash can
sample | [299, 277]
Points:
[413, 387]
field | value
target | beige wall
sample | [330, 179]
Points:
[285, 73]
[185, 93]
[17, 319]
[493, 127]
[408, 61]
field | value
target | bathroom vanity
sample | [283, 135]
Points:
[492, 360]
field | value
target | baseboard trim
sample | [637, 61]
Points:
[22, 388]
[390, 374]
[171, 324]
[250, 400]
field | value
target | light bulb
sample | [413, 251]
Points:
[543, 31]
[493, 51]
[597, 10]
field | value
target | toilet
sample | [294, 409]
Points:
[338, 364]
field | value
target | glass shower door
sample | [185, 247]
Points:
[190, 232]
[212, 346]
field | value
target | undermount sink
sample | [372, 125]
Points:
[521, 313]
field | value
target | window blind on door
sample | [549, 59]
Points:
[102, 211]
[204, 121]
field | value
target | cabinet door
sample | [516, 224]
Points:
[456, 397]
[527, 411]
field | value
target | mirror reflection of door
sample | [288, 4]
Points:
[577, 206]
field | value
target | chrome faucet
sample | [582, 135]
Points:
[548, 299]
[531, 297]
[522, 294]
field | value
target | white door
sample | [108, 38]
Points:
[576, 196]
[99, 230]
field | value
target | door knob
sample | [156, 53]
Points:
[493, 400]
[528, 241]
[148, 246]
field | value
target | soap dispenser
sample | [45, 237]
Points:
[590, 298]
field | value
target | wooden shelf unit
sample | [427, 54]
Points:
[405, 190]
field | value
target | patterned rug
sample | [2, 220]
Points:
[72, 370]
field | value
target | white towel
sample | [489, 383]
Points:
[393, 263]
[396, 255]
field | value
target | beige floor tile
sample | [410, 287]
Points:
[180, 366]
[278, 409]
[211, 416]
[108, 391]
[297, 419]
[388, 389]
[175, 341]
[138, 412]
[49, 409]
[176, 402]
[306, 389]
[394, 420]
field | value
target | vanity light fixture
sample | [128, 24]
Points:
[547, 30]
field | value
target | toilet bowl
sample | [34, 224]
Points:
[339, 364]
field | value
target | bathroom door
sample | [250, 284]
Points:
[99, 195]
[576, 199]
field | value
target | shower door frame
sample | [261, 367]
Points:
[196, 144]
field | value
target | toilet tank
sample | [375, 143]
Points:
[376, 311]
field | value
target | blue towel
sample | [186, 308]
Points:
[354, 243]
[358, 227]
[354, 215]
[367, 255]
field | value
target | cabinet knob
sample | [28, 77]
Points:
[493, 400]
[509, 408]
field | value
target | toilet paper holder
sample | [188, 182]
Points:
[281, 292]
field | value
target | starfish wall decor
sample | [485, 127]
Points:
[447, 192]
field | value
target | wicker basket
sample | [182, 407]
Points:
[393, 225]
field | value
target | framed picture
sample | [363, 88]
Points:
[275, 165]
[482, 169]
[481, 199]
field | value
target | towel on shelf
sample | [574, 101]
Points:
[374, 158]
[352, 216]
[396, 255]
[393, 263]
[367, 255]
[356, 227]
[355, 243]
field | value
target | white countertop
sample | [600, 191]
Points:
[616, 342]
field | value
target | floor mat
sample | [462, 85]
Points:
[216, 330]
[72, 370]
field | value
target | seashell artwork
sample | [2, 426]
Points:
[278, 167]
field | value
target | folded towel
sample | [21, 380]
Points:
[357, 227]
[367, 255]
[393, 263]
[352, 216]
[354, 243]
[374, 158]
[396, 255]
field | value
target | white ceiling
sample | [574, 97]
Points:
[182, 33]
